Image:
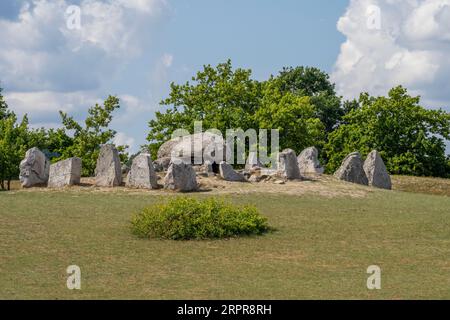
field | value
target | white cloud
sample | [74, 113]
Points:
[411, 48]
[122, 138]
[38, 51]
[47, 101]
[46, 67]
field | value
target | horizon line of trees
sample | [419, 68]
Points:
[300, 102]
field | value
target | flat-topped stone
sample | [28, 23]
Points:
[65, 173]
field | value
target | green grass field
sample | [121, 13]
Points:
[321, 249]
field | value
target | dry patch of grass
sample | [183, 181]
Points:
[437, 186]
[325, 186]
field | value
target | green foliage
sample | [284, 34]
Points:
[293, 115]
[13, 145]
[313, 83]
[87, 139]
[184, 218]
[409, 137]
[4, 112]
[222, 98]
[225, 99]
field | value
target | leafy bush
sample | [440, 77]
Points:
[184, 218]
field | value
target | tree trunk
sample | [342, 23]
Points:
[9, 184]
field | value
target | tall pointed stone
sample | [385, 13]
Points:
[288, 165]
[308, 162]
[352, 170]
[376, 171]
[108, 172]
[142, 175]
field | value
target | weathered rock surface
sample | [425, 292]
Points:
[228, 174]
[352, 170]
[142, 175]
[253, 161]
[65, 173]
[34, 168]
[108, 172]
[180, 176]
[376, 171]
[287, 165]
[205, 146]
[161, 164]
[308, 162]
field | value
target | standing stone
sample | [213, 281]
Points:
[352, 170]
[180, 176]
[308, 162]
[376, 171]
[287, 165]
[34, 168]
[108, 172]
[253, 161]
[142, 175]
[65, 173]
[228, 174]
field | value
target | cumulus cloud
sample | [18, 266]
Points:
[407, 43]
[40, 52]
[47, 64]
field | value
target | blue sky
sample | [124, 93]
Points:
[135, 48]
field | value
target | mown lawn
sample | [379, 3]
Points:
[321, 249]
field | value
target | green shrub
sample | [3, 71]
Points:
[184, 218]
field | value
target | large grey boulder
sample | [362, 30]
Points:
[287, 165]
[308, 162]
[204, 146]
[228, 174]
[108, 172]
[376, 171]
[253, 161]
[161, 164]
[142, 175]
[65, 173]
[34, 168]
[352, 170]
[180, 176]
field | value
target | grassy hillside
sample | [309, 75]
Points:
[321, 249]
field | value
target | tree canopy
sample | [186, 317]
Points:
[223, 98]
[316, 84]
[409, 137]
[87, 139]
